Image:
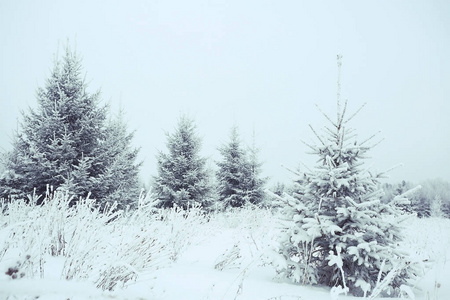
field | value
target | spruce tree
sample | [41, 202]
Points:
[239, 174]
[338, 232]
[256, 183]
[436, 207]
[120, 177]
[233, 175]
[65, 142]
[182, 179]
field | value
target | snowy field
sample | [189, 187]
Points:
[57, 252]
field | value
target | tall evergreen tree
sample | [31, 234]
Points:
[256, 182]
[238, 176]
[338, 232]
[183, 179]
[65, 142]
[233, 174]
[120, 176]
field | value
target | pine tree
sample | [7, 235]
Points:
[183, 179]
[238, 176]
[424, 201]
[233, 175]
[120, 177]
[65, 142]
[338, 232]
[256, 183]
[436, 207]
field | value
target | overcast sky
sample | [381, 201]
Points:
[262, 65]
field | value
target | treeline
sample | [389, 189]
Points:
[184, 180]
[431, 200]
[72, 142]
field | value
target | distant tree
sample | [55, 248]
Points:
[393, 190]
[183, 179]
[434, 193]
[423, 201]
[436, 207]
[65, 142]
[279, 188]
[389, 192]
[338, 232]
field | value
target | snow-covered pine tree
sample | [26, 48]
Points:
[233, 175]
[239, 174]
[436, 207]
[120, 178]
[338, 232]
[256, 183]
[52, 139]
[63, 143]
[183, 179]
[423, 201]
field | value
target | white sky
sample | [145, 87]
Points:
[259, 64]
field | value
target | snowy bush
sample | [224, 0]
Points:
[181, 227]
[107, 247]
[115, 255]
[254, 231]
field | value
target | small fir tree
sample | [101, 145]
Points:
[338, 231]
[183, 179]
[65, 142]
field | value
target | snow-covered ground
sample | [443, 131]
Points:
[172, 255]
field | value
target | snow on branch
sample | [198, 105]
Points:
[390, 169]
[309, 145]
[292, 171]
[403, 198]
[390, 276]
[370, 138]
[341, 120]
[318, 136]
[326, 116]
[357, 111]
[363, 204]
[338, 95]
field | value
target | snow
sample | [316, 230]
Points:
[227, 256]
[194, 276]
